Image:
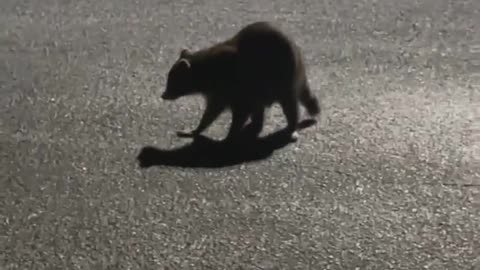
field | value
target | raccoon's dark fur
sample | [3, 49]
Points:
[247, 73]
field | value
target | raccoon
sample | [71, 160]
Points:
[247, 73]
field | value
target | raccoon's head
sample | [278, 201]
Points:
[179, 78]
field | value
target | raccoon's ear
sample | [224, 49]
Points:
[185, 62]
[184, 53]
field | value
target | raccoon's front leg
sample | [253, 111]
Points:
[257, 120]
[239, 117]
[212, 111]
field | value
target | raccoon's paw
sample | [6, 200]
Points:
[291, 134]
[234, 137]
[252, 131]
[294, 136]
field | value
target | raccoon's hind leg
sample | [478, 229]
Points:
[213, 109]
[290, 109]
[308, 100]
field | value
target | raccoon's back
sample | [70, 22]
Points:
[264, 49]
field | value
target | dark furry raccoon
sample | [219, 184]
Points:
[246, 74]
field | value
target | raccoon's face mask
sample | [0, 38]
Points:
[179, 79]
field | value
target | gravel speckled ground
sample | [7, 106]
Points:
[388, 179]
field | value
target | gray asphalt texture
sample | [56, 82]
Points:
[387, 179]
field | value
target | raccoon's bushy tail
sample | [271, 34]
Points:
[309, 100]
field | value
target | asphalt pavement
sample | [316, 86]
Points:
[93, 175]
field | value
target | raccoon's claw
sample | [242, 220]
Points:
[183, 134]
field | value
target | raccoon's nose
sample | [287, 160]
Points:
[166, 96]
